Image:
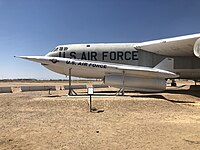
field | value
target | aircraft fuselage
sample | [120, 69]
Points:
[187, 67]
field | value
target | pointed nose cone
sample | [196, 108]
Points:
[52, 54]
[48, 54]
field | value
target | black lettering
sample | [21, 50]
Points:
[112, 55]
[134, 55]
[93, 55]
[83, 56]
[104, 54]
[98, 65]
[68, 62]
[88, 58]
[127, 55]
[119, 55]
[79, 64]
[63, 54]
[82, 64]
[73, 55]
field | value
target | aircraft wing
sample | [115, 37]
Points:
[103, 67]
[176, 46]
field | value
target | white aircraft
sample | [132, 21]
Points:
[137, 66]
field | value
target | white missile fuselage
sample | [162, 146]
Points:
[139, 66]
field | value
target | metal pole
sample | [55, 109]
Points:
[123, 83]
[90, 103]
[70, 82]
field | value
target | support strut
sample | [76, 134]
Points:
[71, 91]
[123, 83]
[121, 90]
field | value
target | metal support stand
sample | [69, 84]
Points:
[90, 103]
[121, 90]
[49, 91]
[90, 92]
[195, 82]
[70, 82]
[123, 83]
[71, 91]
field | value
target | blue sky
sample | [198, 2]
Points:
[34, 27]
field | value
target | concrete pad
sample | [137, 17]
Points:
[100, 86]
[80, 86]
[5, 90]
[37, 88]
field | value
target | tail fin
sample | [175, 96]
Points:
[166, 64]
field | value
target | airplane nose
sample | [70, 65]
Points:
[48, 54]
[52, 54]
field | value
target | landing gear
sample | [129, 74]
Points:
[121, 91]
[173, 83]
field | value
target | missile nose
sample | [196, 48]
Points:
[48, 54]
[52, 54]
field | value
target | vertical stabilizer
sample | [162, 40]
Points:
[166, 64]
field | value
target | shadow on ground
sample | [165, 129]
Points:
[162, 97]
[193, 91]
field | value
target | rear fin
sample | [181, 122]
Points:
[166, 64]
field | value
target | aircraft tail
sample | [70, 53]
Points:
[166, 64]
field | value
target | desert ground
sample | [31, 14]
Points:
[37, 120]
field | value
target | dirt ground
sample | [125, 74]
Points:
[37, 120]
